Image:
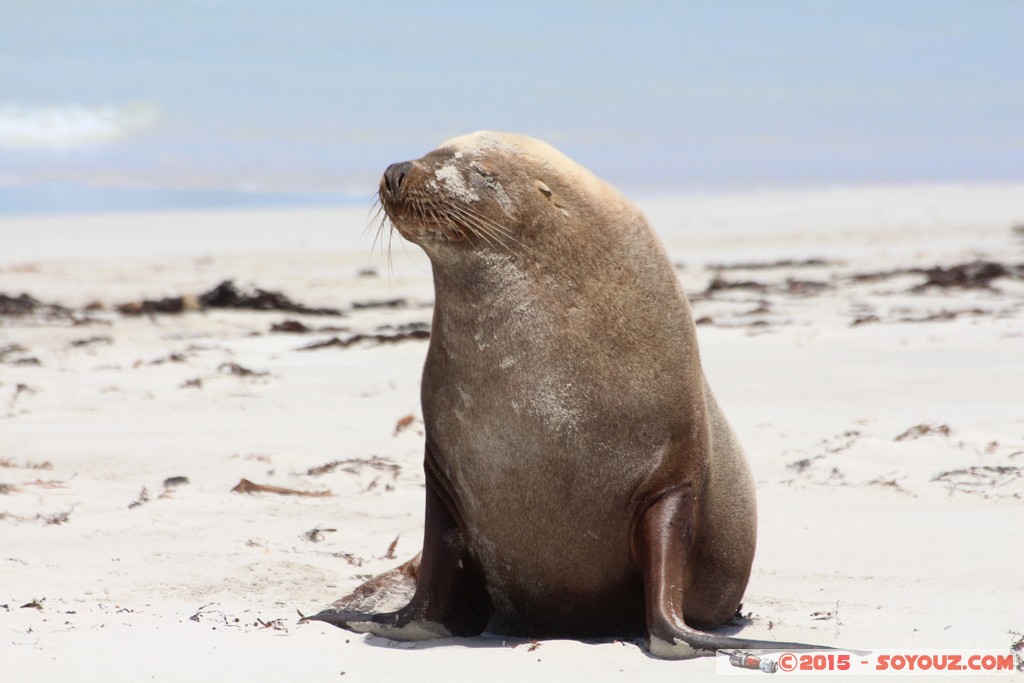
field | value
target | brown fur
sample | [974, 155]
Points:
[581, 478]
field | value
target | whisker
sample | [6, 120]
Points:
[493, 237]
[473, 226]
[452, 220]
[479, 218]
[391, 265]
[451, 229]
[372, 216]
[375, 210]
[379, 235]
[496, 229]
[378, 220]
[468, 227]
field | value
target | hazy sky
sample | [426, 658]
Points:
[654, 95]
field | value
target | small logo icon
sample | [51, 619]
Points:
[746, 660]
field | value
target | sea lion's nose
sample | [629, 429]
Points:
[394, 175]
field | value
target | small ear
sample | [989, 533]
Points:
[544, 189]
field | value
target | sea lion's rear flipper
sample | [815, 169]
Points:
[438, 593]
[664, 547]
[385, 592]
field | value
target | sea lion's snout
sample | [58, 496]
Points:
[394, 175]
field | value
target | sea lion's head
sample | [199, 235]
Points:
[485, 191]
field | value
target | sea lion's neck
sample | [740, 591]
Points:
[478, 286]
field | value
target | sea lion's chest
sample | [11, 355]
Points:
[542, 486]
[545, 424]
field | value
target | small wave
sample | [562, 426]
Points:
[71, 126]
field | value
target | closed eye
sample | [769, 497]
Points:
[485, 171]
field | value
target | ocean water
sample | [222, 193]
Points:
[115, 104]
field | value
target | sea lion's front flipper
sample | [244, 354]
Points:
[664, 545]
[442, 589]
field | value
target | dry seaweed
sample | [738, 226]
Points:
[720, 284]
[390, 554]
[141, 500]
[25, 305]
[226, 295]
[316, 534]
[246, 486]
[404, 423]
[239, 370]
[169, 358]
[943, 316]
[173, 304]
[384, 303]
[28, 464]
[354, 465]
[769, 265]
[924, 429]
[807, 287]
[291, 326]
[971, 275]
[360, 337]
[90, 341]
[418, 326]
[979, 478]
[19, 305]
[890, 484]
[9, 349]
[974, 275]
[57, 518]
[353, 560]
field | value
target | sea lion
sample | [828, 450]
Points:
[581, 479]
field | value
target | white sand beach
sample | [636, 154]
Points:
[867, 345]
